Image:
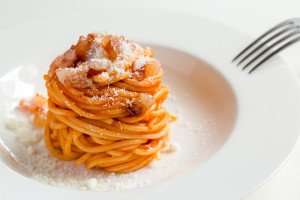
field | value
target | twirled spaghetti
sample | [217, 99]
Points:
[105, 98]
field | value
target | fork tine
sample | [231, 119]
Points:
[284, 23]
[270, 47]
[274, 53]
[265, 42]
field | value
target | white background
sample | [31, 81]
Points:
[251, 17]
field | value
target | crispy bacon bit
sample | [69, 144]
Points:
[151, 67]
[83, 46]
[68, 59]
[134, 109]
[37, 106]
[77, 77]
[139, 105]
[109, 48]
[92, 73]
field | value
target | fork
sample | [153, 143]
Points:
[268, 44]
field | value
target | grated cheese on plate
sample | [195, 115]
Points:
[52, 171]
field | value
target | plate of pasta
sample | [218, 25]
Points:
[132, 109]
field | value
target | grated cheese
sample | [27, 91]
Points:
[52, 171]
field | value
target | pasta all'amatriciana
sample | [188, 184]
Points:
[105, 97]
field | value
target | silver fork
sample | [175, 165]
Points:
[269, 44]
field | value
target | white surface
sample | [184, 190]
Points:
[252, 17]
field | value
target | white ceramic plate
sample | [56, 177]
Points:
[245, 125]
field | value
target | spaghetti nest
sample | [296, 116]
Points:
[105, 98]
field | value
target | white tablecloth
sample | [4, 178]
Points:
[252, 17]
